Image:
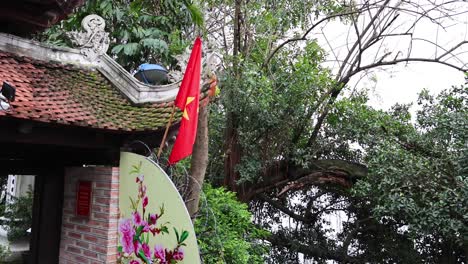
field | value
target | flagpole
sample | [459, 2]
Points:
[165, 132]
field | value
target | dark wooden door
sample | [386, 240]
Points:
[47, 216]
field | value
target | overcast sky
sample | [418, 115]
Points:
[402, 83]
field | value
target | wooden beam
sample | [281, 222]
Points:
[22, 17]
[29, 132]
[27, 146]
[34, 14]
[28, 159]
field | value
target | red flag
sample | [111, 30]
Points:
[187, 100]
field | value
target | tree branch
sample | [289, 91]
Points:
[393, 62]
[452, 49]
[310, 250]
[306, 33]
[285, 209]
[341, 172]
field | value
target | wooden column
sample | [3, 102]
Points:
[47, 216]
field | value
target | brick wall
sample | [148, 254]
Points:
[93, 240]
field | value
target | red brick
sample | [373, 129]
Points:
[99, 232]
[101, 200]
[69, 226]
[101, 216]
[73, 249]
[111, 250]
[111, 258]
[102, 193]
[94, 239]
[90, 238]
[90, 254]
[82, 260]
[100, 249]
[82, 244]
[83, 228]
[74, 235]
[107, 185]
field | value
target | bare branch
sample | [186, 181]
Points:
[452, 49]
[393, 62]
[306, 33]
[364, 32]
[331, 48]
[358, 61]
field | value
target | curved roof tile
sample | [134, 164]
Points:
[65, 94]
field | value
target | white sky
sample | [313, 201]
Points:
[402, 83]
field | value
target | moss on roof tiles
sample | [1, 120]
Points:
[58, 90]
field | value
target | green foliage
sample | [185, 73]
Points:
[4, 253]
[225, 231]
[271, 108]
[273, 18]
[140, 31]
[418, 174]
[413, 200]
[18, 216]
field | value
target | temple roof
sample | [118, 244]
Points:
[52, 92]
[84, 86]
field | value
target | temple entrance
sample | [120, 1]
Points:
[16, 203]
[47, 216]
[48, 164]
[30, 216]
[67, 124]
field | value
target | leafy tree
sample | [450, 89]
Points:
[140, 31]
[4, 253]
[283, 138]
[418, 175]
[225, 230]
[18, 215]
[413, 199]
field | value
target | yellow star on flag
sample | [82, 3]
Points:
[189, 100]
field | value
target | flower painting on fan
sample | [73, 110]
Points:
[139, 230]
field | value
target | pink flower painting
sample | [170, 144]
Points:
[127, 232]
[178, 254]
[134, 232]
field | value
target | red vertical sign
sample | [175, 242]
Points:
[83, 199]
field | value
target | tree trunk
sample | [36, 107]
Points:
[199, 161]
[465, 248]
[233, 156]
[237, 28]
[232, 148]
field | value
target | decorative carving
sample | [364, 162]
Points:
[211, 62]
[94, 41]
[177, 74]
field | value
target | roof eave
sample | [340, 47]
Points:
[136, 91]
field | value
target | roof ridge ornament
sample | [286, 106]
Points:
[94, 41]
